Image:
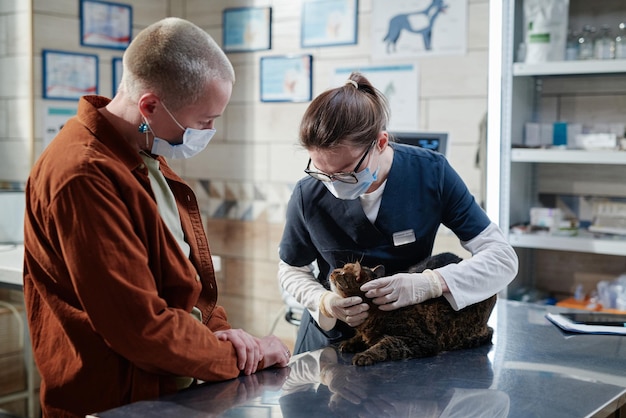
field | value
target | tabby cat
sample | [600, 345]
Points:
[420, 330]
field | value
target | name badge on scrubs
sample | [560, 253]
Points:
[403, 237]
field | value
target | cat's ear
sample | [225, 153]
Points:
[379, 270]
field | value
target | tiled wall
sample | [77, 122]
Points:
[244, 178]
[15, 160]
[15, 92]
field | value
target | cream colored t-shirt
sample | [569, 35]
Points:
[168, 210]
[166, 202]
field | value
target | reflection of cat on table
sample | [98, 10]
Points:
[455, 386]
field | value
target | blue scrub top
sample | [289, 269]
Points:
[422, 192]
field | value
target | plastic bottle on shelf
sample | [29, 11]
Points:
[521, 52]
[620, 41]
[571, 46]
[604, 44]
[585, 43]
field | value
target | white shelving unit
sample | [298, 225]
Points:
[586, 244]
[567, 156]
[519, 177]
[570, 68]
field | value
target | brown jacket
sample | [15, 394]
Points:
[108, 291]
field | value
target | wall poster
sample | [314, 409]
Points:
[116, 68]
[399, 84]
[69, 75]
[104, 24]
[329, 23]
[286, 78]
[247, 29]
[54, 119]
[411, 28]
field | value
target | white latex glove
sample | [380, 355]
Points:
[403, 289]
[349, 310]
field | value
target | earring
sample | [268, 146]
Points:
[144, 128]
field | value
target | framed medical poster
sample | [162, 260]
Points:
[398, 82]
[329, 23]
[55, 117]
[409, 29]
[247, 29]
[105, 25]
[116, 71]
[69, 75]
[286, 78]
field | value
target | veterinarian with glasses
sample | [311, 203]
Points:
[119, 285]
[368, 199]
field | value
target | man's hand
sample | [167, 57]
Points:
[349, 310]
[276, 353]
[251, 350]
[248, 348]
[403, 289]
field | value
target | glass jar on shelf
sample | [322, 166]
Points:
[585, 43]
[620, 41]
[604, 44]
[571, 46]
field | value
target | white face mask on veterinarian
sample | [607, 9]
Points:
[348, 191]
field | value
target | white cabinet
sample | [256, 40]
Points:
[587, 92]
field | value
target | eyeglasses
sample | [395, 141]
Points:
[342, 177]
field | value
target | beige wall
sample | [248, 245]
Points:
[244, 178]
[15, 92]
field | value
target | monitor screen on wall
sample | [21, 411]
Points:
[436, 141]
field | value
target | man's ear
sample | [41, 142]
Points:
[379, 270]
[147, 104]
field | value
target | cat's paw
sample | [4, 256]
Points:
[352, 345]
[346, 347]
[363, 359]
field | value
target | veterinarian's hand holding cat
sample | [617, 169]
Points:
[404, 289]
[349, 310]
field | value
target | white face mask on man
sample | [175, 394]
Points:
[194, 141]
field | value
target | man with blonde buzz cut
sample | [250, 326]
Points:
[119, 285]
